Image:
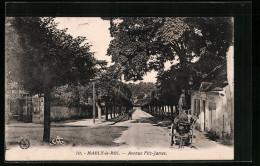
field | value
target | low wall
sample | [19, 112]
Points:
[62, 113]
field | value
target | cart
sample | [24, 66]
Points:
[182, 133]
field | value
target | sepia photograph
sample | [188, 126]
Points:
[119, 88]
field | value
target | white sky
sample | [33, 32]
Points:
[97, 33]
[93, 28]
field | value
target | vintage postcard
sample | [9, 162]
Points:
[119, 88]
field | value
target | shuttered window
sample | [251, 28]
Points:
[198, 106]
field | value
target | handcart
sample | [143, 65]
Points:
[182, 133]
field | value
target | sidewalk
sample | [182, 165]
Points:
[84, 122]
[68, 123]
[200, 140]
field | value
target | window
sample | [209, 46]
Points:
[196, 106]
[212, 106]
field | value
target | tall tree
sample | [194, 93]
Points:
[194, 46]
[141, 44]
[50, 58]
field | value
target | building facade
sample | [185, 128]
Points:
[211, 102]
[212, 109]
[21, 106]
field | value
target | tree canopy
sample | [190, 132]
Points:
[141, 44]
[193, 46]
[49, 56]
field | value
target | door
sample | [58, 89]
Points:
[27, 110]
[210, 119]
[212, 115]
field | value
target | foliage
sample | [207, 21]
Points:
[141, 92]
[50, 57]
[141, 44]
[12, 51]
[111, 90]
[194, 46]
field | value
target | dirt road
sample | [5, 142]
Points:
[137, 139]
[143, 132]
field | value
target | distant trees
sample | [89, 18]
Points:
[49, 58]
[141, 92]
[112, 91]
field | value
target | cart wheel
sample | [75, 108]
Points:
[180, 142]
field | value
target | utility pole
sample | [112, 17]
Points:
[98, 109]
[94, 103]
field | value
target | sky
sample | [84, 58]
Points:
[97, 33]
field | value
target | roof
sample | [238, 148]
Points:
[215, 81]
[205, 86]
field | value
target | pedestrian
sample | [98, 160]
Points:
[129, 115]
[182, 101]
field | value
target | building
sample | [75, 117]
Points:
[211, 102]
[21, 106]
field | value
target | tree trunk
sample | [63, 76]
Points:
[120, 110]
[176, 110]
[99, 113]
[47, 117]
[168, 110]
[114, 110]
[163, 109]
[172, 118]
[160, 111]
[106, 110]
[111, 113]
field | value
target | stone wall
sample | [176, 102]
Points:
[59, 113]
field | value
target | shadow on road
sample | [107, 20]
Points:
[144, 120]
[154, 121]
